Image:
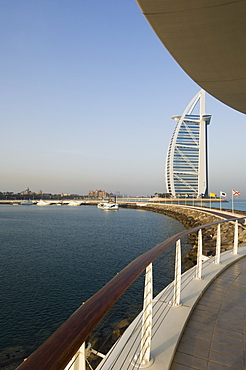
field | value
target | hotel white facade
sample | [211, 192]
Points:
[186, 169]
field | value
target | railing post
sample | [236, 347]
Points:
[143, 359]
[78, 360]
[177, 278]
[147, 317]
[235, 249]
[199, 256]
[218, 245]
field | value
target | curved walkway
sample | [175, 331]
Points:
[215, 335]
[206, 304]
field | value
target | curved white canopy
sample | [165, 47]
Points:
[208, 40]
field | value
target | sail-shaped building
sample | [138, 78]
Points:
[186, 169]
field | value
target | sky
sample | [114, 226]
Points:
[87, 92]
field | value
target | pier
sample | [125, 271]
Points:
[121, 201]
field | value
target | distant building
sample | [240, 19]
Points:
[97, 193]
[186, 169]
[26, 191]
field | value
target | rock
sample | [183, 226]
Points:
[115, 335]
[123, 323]
[13, 356]
[191, 218]
[189, 264]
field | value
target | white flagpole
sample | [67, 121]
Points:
[220, 201]
[232, 202]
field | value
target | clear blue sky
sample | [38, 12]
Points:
[86, 95]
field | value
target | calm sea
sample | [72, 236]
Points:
[54, 258]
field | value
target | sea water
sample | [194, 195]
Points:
[54, 258]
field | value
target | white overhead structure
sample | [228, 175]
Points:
[207, 39]
[186, 169]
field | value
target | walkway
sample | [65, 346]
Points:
[215, 335]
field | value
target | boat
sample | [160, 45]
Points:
[74, 203]
[43, 203]
[26, 203]
[108, 205]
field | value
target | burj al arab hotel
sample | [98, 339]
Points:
[186, 169]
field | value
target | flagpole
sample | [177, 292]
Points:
[232, 202]
[210, 201]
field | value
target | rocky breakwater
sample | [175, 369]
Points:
[191, 217]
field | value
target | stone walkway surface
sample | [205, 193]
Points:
[215, 335]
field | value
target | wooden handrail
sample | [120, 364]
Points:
[61, 346]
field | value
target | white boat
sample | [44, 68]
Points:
[74, 203]
[27, 203]
[108, 205]
[43, 203]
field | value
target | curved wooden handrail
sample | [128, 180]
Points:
[61, 346]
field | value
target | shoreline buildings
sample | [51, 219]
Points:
[186, 169]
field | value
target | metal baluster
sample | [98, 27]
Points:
[218, 245]
[199, 256]
[235, 249]
[177, 278]
[143, 359]
[78, 360]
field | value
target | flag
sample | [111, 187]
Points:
[222, 194]
[235, 192]
[212, 195]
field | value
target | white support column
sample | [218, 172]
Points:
[177, 278]
[199, 256]
[218, 244]
[78, 360]
[235, 238]
[143, 359]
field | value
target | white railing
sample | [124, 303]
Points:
[142, 358]
[137, 348]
